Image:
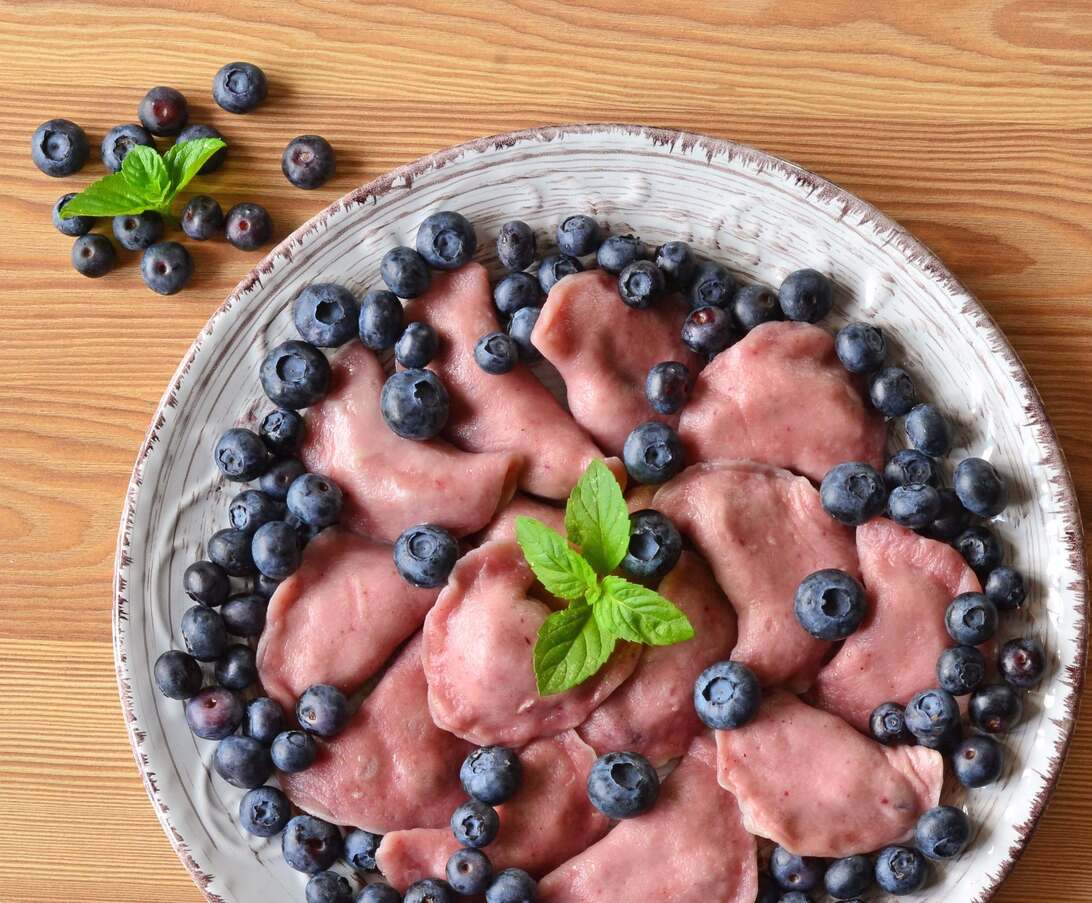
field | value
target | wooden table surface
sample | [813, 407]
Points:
[970, 123]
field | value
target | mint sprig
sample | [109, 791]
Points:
[573, 644]
[146, 181]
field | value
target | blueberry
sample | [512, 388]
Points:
[265, 586]
[446, 240]
[978, 761]
[248, 226]
[381, 320]
[520, 328]
[360, 849]
[213, 713]
[708, 331]
[806, 295]
[475, 824]
[241, 455]
[469, 871]
[830, 604]
[328, 887]
[931, 715]
[405, 272]
[276, 549]
[726, 696]
[308, 161]
[654, 547]
[1022, 662]
[326, 314]
[280, 475]
[121, 139]
[206, 582]
[244, 614]
[555, 267]
[378, 892]
[264, 811]
[640, 284]
[429, 890]
[93, 255]
[295, 375]
[251, 508]
[847, 878]
[195, 133]
[852, 493]
[59, 147]
[928, 431]
[900, 870]
[425, 554]
[911, 466]
[202, 218]
[163, 111]
[415, 404]
[263, 719]
[177, 675]
[676, 262]
[239, 87]
[516, 291]
[231, 550]
[943, 832]
[310, 844]
[242, 762]
[578, 235]
[204, 633]
[322, 709]
[887, 724]
[282, 431]
[293, 751]
[623, 784]
[236, 668]
[794, 896]
[516, 246]
[971, 619]
[74, 226]
[753, 305]
[653, 453]
[618, 252]
[1005, 588]
[995, 708]
[667, 387]
[951, 521]
[960, 669]
[511, 886]
[913, 505]
[860, 347]
[304, 532]
[496, 353]
[980, 488]
[711, 285]
[316, 500]
[892, 392]
[166, 267]
[792, 872]
[417, 345]
[980, 548]
[491, 774]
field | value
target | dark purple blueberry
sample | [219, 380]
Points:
[981, 489]
[74, 226]
[860, 347]
[848, 878]
[282, 431]
[667, 387]
[853, 493]
[202, 218]
[931, 715]
[429, 890]
[516, 246]
[1005, 588]
[911, 466]
[308, 161]
[236, 669]
[59, 147]
[655, 545]
[213, 713]
[491, 774]
[206, 582]
[264, 811]
[163, 111]
[195, 133]
[978, 761]
[753, 305]
[381, 320]
[900, 870]
[405, 272]
[239, 87]
[425, 554]
[708, 331]
[280, 475]
[310, 844]
[93, 255]
[231, 550]
[511, 886]
[830, 604]
[204, 633]
[710, 286]
[244, 614]
[726, 696]
[248, 226]
[378, 892]
[913, 505]
[887, 724]
[322, 709]
[469, 871]
[980, 548]
[121, 139]
[240, 455]
[360, 849]
[792, 872]
[265, 586]
[293, 751]
[263, 720]
[166, 267]
[276, 550]
[960, 669]
[251, 508]
[520, 328]
[328, 887]
[618, 252]
[951, 521]
[892, 392]
[446, 240]
[943, 832]
[496, 353]
[640, 284]
[676, 261]
[242, 762]
[475, 824]
[653, 453]
[315, 500]
[177, 675]
[927, 430]
[806, 295]
[995, 708]
[1022, 662]
[971, 619]
[554, 268]
[578, 235]
[417, 345]
[516, 291]
[414, 404]
[295, 375]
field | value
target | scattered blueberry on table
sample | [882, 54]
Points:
[248, 226]
[308, 161]
[197, 131]
[74, 226]
[202, 218]
[166, 267]
[163, 111]
[121, 139]
[239, 87]
[93, 255]
[59, 147]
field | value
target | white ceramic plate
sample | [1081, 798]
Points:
[760, 216]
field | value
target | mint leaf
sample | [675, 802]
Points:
[571, 647]
[640, 615]
[560, 569]
[596, 518]
[111, 195]
[146, 172]
[185, 159]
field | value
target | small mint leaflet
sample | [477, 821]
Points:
[640, 615]
[111, 195]
[184, 160]
[559, 568]
[571, 647]
[146, 172]
[596, 518]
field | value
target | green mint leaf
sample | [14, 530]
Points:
[596, 518]
[185, 159]
[560, 569]
[146, 172]
[571, 647]
[640, 615]
[112, 195]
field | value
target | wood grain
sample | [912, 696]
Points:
[971, 123]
